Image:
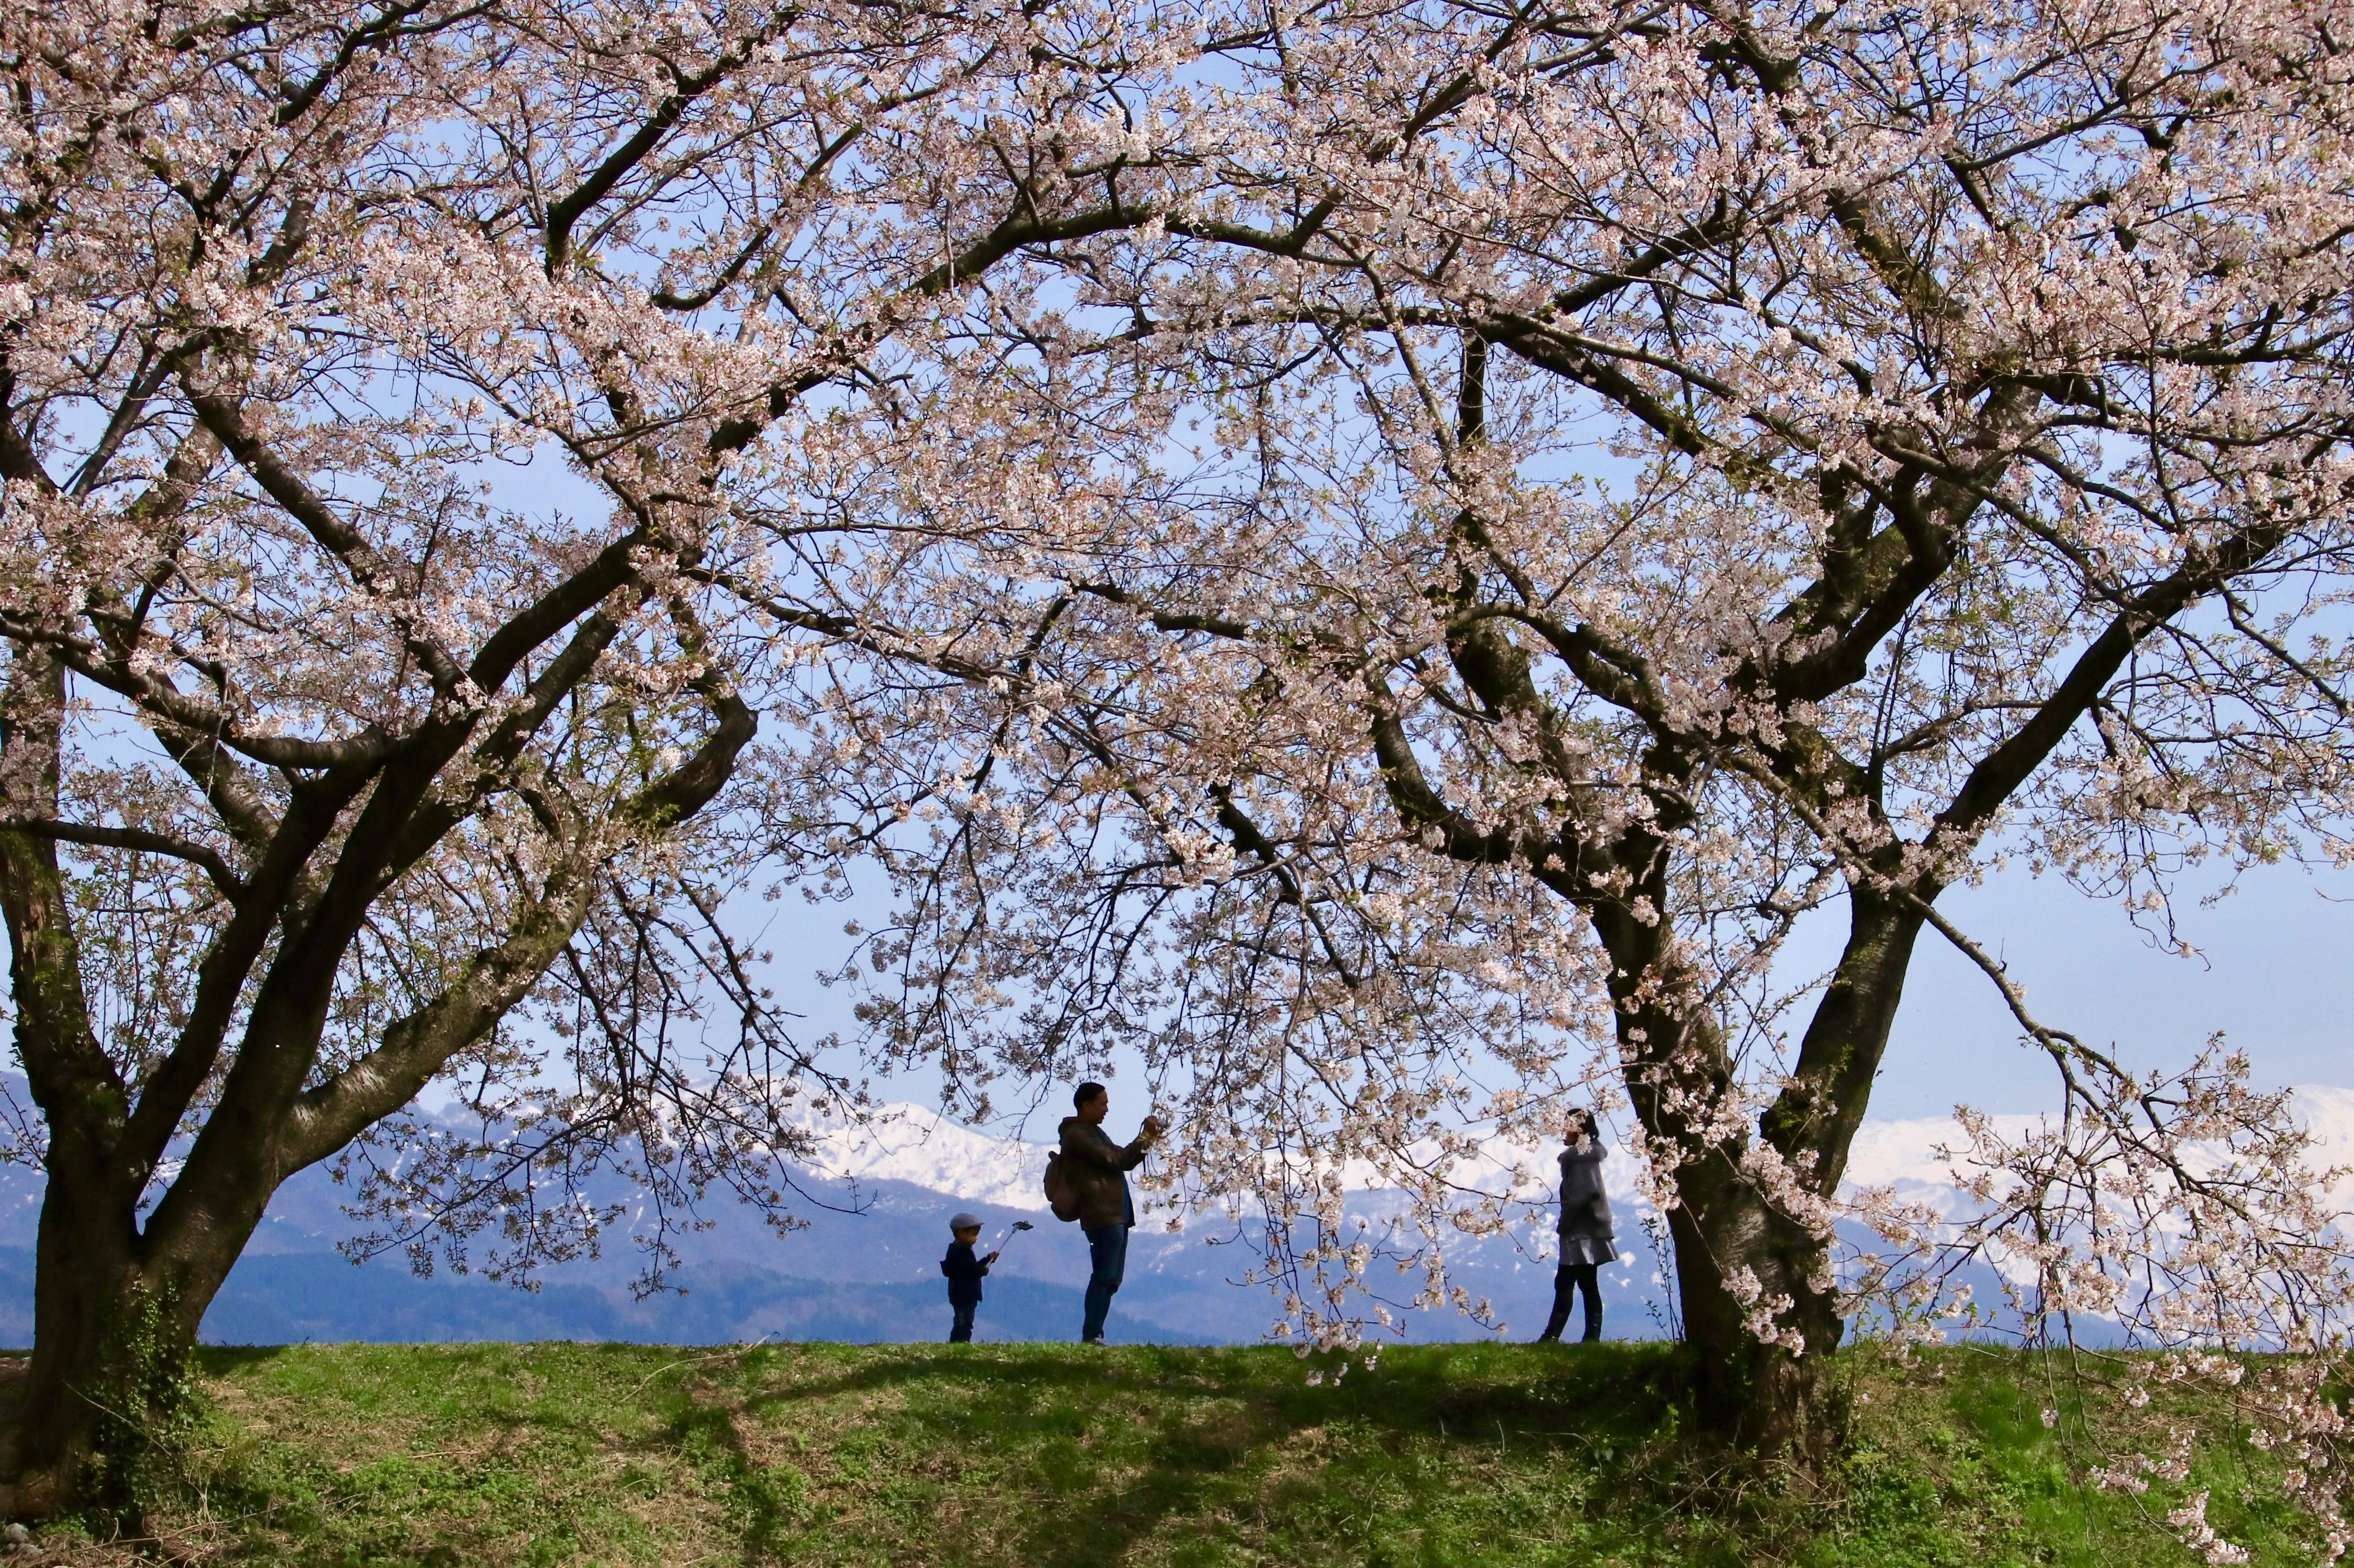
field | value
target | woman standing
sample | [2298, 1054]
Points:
[1585, 1240]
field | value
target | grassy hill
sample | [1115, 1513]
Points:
[1052, 1456]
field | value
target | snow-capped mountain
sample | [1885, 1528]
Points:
[924, 1148]
[866, 1267]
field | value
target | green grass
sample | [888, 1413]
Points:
[1050, 1457]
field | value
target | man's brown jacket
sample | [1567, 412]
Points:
[1097, 1169]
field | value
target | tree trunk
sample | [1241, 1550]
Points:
[114, 1311]
[82, 1266]
[1815, 1119]
[1753, 1282]
[1773, 1401]
[85, 1271]
[114, 1320]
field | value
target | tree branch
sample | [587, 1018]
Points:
[223, 876]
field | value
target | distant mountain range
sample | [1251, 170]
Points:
[867, 1270]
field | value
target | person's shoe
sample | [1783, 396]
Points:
[1092, 1339]
[1546, 1339]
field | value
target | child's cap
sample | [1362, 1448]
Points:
[964, 1221]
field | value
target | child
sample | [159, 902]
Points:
[964, 1272]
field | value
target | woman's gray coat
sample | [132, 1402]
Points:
[1585, 1235]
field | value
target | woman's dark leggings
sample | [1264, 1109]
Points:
[1567, 1280]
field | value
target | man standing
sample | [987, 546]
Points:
[1098, 1169]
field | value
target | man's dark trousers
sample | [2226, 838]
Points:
[1107, 1250]
[960, 1331]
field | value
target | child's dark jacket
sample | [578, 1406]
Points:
[964, 1272]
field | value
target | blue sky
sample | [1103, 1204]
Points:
[2272, 973]
[2271, 969]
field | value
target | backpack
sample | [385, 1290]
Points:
[1061, 1196]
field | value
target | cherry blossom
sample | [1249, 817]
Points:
[377, 382]
[1557, 501]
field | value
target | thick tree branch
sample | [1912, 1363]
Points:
[418, 1045]
[218, 870]
[2010, 764]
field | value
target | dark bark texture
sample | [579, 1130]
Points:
[121, 1292]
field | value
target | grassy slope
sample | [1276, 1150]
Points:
[1052, 1457]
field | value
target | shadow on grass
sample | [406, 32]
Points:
[1625, 1387]
[1147, 1444]
[838, 1457]
[764, 1501]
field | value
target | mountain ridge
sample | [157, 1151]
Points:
[865, 1270]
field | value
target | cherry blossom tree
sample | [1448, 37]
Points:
[1582, 489]
[1382, 559]
[376, 376]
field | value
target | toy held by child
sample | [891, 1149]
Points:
[964, 1272]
